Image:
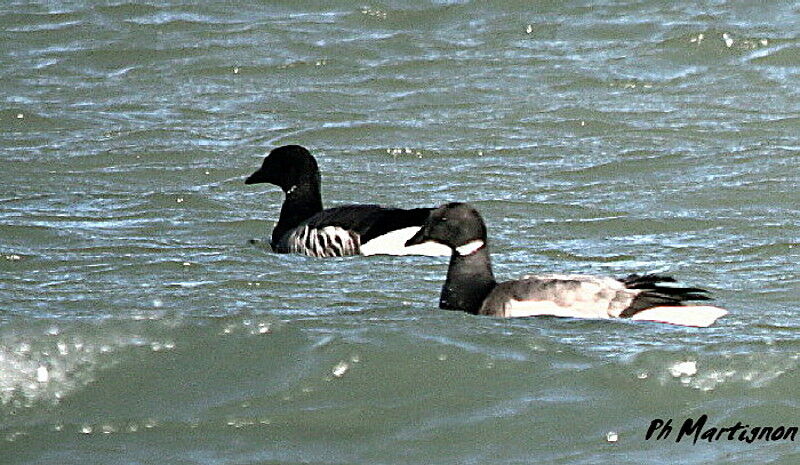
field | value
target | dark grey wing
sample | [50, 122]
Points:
[369, 221]
[342, 230]
[575, 296]
[587, 296]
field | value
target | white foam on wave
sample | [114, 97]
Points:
[44, 366]
[754, 370]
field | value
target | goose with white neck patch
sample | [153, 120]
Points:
[304, 227]
[470, 285]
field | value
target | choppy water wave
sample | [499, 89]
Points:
[378, 381]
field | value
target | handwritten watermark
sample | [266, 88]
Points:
[697, 430]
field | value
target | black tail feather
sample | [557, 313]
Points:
[654, 294]
[636, 281]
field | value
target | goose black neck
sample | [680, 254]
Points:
[303, 200]
[469, 281]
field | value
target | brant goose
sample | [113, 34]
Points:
[470, 285]
[305, 228]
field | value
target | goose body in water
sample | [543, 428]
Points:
[305, 228]
[470, 285]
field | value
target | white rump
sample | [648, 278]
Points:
[700, 316]
[394, 243]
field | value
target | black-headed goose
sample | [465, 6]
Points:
[304, 227]
[470, 285]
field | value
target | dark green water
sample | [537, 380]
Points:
[137, 325]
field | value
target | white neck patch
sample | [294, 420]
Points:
[470, 247]
[291, 189]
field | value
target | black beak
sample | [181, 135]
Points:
[255, 178]
[419, 238]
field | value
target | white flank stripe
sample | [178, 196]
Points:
[700, 316]
[330, 241]
[394, 243]
[523, 308]
[337, 235]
